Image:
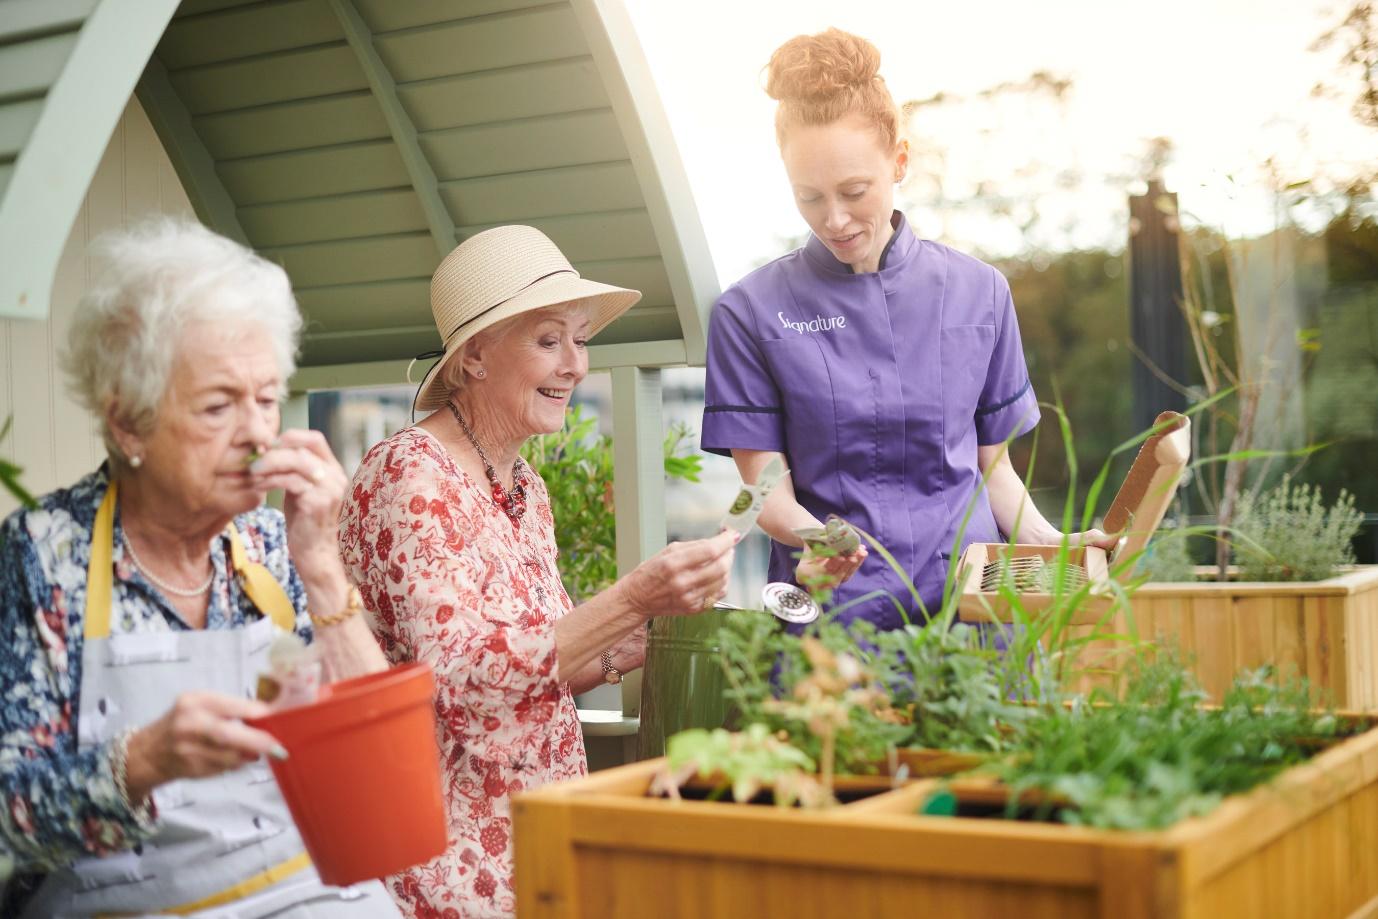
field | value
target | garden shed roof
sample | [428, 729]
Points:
[355, 142]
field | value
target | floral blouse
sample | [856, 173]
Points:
[452, 582]
[60, 802]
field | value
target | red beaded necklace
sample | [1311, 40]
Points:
[513, 503]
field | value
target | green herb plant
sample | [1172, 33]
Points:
[1156, 756]
[746, 763]
[825, 692]
[1288, 534]
[576, 465]
[1168, 557]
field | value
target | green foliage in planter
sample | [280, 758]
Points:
[1157, 757]
[748, 762]
[955, 687]
[576, 464]
[1288, 534]
[765, 666]
[1168, 558]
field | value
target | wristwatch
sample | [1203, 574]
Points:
[611, 674]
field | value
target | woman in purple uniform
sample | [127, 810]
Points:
[886, 369]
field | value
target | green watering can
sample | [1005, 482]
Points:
[682, 684]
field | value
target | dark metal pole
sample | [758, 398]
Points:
[1156, 325]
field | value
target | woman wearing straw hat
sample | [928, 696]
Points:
[449, 535]
[137, 606]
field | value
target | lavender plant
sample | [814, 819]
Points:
[1289, 534]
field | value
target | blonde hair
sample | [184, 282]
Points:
[818, 79]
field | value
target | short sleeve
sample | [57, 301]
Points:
[1007, 407]
[742, 406]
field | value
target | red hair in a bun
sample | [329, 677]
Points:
[818, 79]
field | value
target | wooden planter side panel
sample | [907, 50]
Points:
[621, 884]
[1328, 636]
[1327, 867]
[1304, 848]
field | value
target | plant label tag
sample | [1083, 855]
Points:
[741, 516]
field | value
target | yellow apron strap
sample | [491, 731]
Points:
[244, 888]
[263, 589]
[100, 579]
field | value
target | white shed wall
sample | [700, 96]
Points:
[53, 438]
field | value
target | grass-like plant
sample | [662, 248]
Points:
[1288, 533]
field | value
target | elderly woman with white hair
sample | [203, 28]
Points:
[450, 536]
[137, 604]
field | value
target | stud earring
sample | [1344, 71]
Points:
[136, 461]
[481, 373]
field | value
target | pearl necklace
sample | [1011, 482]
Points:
[164, 585]
[513, 503]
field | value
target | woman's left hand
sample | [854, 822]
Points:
[301, 464]
[1099, 538]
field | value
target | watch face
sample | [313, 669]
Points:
[613, 677]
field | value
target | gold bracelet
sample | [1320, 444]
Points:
[352, 608]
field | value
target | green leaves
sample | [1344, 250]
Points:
[749, 761]
[1290, 535]
[9, 474]
[1157, 757]
[576, 465]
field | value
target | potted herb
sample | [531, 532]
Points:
[1293, 601]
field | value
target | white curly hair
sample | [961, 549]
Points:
[161, 276]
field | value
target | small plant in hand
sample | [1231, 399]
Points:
[1288, 534]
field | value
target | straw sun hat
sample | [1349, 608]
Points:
[501, 273]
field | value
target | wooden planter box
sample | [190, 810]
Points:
[1325, 631]
[597, 848]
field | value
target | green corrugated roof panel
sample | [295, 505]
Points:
[67, 68]
[355, 141]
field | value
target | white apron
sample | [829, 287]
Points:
[224, 846]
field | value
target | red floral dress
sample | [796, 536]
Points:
[450, 581]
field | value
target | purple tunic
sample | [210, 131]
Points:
[877, 388]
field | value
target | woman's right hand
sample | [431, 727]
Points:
[819, 571]
[682, 579]
[203, 734]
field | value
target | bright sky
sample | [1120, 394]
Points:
[1229, 81]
